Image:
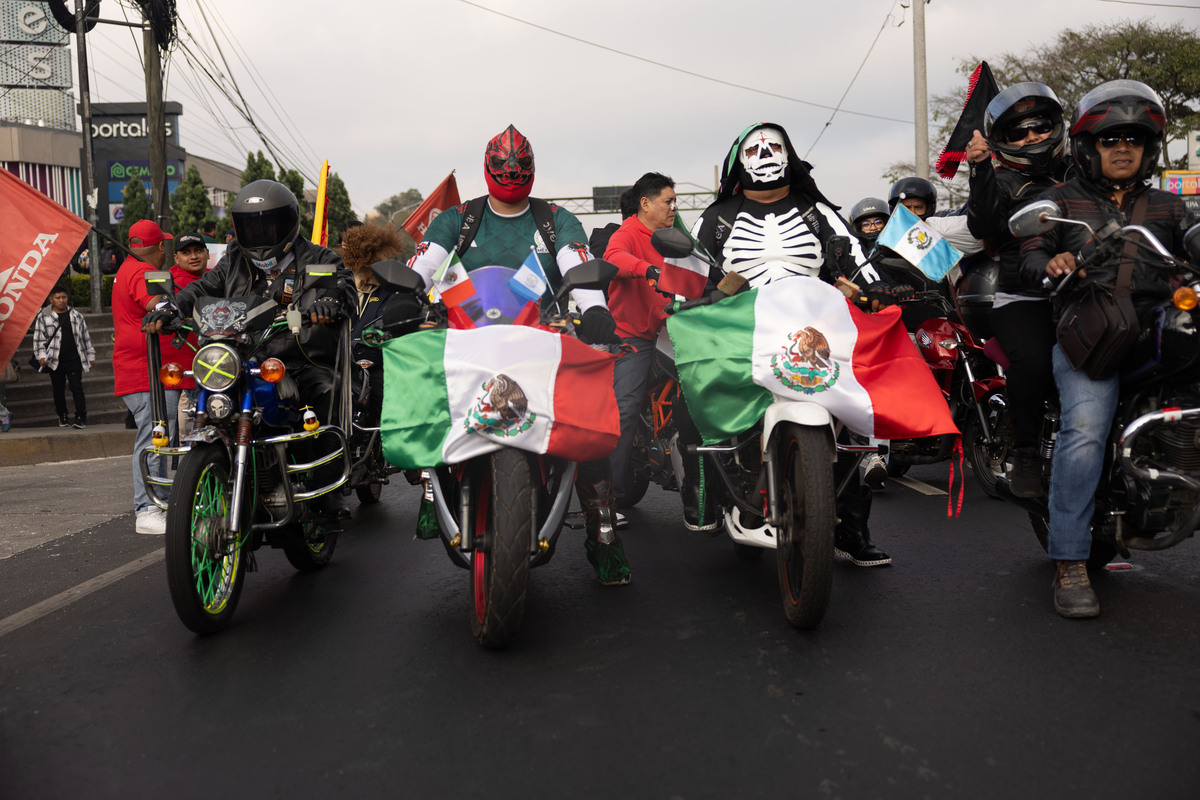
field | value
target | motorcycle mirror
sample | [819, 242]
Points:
[594, 274]
[394, 275]
[1191, 243]
[671, 243]
[1034, 219]
[159, 281]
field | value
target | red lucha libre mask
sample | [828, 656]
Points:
[508, 166]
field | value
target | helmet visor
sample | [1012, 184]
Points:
[265, 228]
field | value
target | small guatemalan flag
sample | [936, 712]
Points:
[530, 281]
[918, 244]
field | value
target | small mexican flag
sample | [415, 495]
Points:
[451, 395]
[800, 339]
[452, 281]
[687, 276]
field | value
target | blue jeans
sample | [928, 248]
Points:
[1087, 412]
[139, 404]
[631, 377]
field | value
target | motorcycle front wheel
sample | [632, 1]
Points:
[205, 571]
[500, 560]
[987, 461]
[805, 544]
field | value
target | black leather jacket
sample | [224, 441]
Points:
[996, 194]
[236, 275]
[1166, 217]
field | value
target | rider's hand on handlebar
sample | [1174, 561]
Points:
[1060, 265]
[597, 326]
[875, 296]
[325, 311]
[162, 320]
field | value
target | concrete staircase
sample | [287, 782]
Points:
[32, 402]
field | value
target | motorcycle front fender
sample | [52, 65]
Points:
[801, 413]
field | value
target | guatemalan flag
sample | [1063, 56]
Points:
[451, 395]
[800, 339]
[918, 244]
[530, 281]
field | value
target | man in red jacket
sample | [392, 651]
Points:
[637, 307]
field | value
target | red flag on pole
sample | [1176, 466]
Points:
[37, 239]
[443, 197]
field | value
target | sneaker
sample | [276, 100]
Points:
[80, 424]
[854, 547]
[63, 423]
[152, 521]
[1073, 595]
[6, 424]
[612, 568]
[875, 472]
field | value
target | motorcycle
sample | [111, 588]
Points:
[244, 478]
[500, 512]
[655, 453]
[1149, 492]
[973, 385]
[369, 471]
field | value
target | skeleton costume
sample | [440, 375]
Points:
[770, 241]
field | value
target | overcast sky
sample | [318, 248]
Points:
[396, 94]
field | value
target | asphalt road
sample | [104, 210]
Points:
[947, 675]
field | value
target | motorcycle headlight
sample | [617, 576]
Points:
[219, 406]
[216, 367]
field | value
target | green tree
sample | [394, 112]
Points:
[295, 181]
[190, 205]
[406, 200]
[337, 209]
[136, 206]
[257, 168]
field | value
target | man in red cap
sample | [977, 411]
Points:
[130, 302]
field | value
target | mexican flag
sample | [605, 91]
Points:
[451, 395]
[800, 339]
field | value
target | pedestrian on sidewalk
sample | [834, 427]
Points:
[10, 374]
[62, 344]
[130, 302]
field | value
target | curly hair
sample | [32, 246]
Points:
[367, 244]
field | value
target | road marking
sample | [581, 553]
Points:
[917, 486]
[64, 599]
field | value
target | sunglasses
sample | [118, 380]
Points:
[1113, 139]
[1018, 133]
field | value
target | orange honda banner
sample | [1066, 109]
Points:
[37, 239]
[443, 197]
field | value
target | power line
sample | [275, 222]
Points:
[1158, 5]
[678, 69]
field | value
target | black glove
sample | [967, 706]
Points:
[652, 276]
[168, 315]
[597, 326]
[884, 294]
[327, 307]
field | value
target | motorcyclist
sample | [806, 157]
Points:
[1116, 137]
[267, 259]
[867, 218]
[1025, 133]
[499, 229]
[770, 222]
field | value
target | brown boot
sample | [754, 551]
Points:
[1073, 595]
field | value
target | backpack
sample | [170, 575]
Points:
[543, 217]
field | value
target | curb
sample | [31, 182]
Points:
[38, 447]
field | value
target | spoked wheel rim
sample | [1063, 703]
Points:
[215, 563]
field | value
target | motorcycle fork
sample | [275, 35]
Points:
[979, 410]
[241, 465]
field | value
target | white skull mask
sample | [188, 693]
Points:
[764, 157]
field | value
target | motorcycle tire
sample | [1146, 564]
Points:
[805, 540]
[500, 560]
[896, 470]
[1102, 552]
[204, 576]
[639, 480]
[987, 462]
[369, 494]
[310, 547]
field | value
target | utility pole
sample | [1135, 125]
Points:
[91, 195]
[155, 121]
[921, 110]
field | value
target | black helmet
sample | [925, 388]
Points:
[914, 187]
[1026, 103]
[1117, 105]
[864, 209]
[266, 221]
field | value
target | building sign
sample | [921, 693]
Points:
[35, 68]
[122, 152]
[1181, 182]
[24, 21]
[122, 172]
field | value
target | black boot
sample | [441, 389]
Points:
[605, 552]
[689, 492]
[852, 536]
[1025, 479]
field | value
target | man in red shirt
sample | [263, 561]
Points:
[191, 262]
[637, 307]
[130, 302]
